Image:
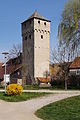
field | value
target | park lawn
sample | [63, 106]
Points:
[23, 97]
[36, 87]
[31, 87]
[67, 109]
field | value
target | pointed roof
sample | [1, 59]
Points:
[37, 16]
[75, 64]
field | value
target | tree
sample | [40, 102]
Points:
[69, 27]
[15, 51]
[46, 74]
[61, 56]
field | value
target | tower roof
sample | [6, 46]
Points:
[38, 16]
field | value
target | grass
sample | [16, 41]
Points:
[67, 109]
[19, 98]
[30, 87]
[36, 87]
[1, 87]
[55, 87]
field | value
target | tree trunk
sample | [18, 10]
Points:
[65, 81]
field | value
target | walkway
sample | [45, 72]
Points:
[25, 110]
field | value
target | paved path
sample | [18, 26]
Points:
[50, 91]
[25, 110]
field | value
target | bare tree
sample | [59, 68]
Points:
[15, 51]
[46, 74]
[62, 56]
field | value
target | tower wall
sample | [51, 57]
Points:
[28, 51]
[35, 38]
[41, 47]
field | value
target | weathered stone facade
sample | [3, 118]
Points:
[35, 35]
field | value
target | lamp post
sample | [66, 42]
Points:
[5, 54]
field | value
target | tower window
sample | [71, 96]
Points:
[41, 36]
[26, 38]
[29, 36]
[45, 23]
[39, 21]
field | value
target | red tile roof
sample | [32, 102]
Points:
[1, 65]
[75, 64]
[44, 80]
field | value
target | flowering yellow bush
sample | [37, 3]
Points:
[14, 89]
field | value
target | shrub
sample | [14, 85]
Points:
[14, 89]
[74, 81]
[57, 82]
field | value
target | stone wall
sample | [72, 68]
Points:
[28, 51]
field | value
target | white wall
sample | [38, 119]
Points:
[41, 47]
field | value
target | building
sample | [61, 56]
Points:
[13, 68]
[35, 38]
[1, 72]
[74, 68]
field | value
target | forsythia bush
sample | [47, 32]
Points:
[14, 89]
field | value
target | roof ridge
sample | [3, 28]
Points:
[38, 16]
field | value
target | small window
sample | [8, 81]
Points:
[78, 72]
[29, 36]
[26, 38]
[73, 72]
[39, 21]
[45, 23]
[41, 36]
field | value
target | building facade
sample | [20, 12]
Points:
[13, 68]
[35, 39]
[74, 68]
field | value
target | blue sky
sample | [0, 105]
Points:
[13, 12]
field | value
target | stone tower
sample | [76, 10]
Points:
[35, 39]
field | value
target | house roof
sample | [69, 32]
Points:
[12, 68]
[38, 16]
[43, 80]
[75, 64]
[1, 65]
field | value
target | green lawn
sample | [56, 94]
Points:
[58, 87]
[23, 97]
[68, 109]
[30, 87]
[1, 87]
[36, 87]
